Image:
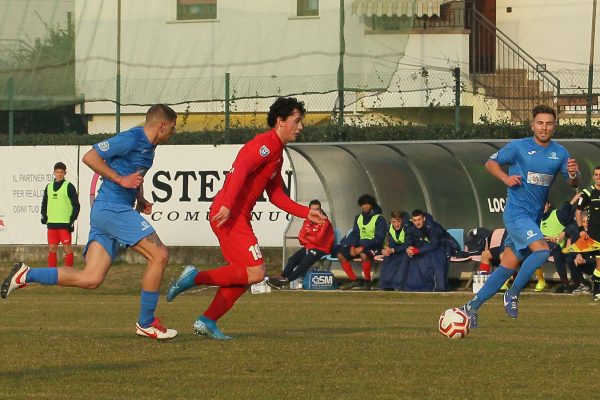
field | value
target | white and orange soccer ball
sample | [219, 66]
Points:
[454, 323]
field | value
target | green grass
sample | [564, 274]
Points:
[60, 343]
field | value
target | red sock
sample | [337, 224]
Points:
[485, 267]
[348, 270]
[223, 301]
[366, 266]
[69, 259]
[225, 276]
[52, 260]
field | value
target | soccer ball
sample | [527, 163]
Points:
[454, 323]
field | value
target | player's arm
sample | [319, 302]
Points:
[97, 164]
[495, 169]
[44, 211]
[572, 169]
[281, 200]
[74, 198]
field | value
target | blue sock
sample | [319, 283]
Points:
[208, 321]
[531, 263]
[44, 276]
[491, 287]
[148, 303]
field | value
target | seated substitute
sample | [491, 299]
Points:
[580, 263]
[316, 240]
[364, 240]
[429, 248]
[395, 260]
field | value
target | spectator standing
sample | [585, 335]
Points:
[60, 209]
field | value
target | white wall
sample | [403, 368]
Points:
[555, 32]
[260, 42]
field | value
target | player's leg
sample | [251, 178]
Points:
[365, 262]
[344, 258]
[292, 264]
[65, 240]
[53, 241]
[596, 280]
[308, 260]
[539, 254]
[98, 261]
[157, 255]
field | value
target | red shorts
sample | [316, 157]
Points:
[56, 236]
[239, 245]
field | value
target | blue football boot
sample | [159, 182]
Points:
[183, 283]
[206, 327]
[511, 305]
[472, 314]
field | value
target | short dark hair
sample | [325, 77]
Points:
[395, 214]
[543, 109]
[597, 168]
[284, 107]
[367, 199]
[160, 111]
[417, 213]
[313, 202]
[60, 165]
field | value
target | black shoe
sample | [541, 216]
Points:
[563, 289]
[351, 285]
[367, 285]
[277, 282]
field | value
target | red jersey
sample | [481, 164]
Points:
[316, 236]
[256, 168]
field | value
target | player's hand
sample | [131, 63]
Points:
[132, 181]
[316, 216]
[410, 251]
[584, 235]
[572, 167]
[222, 216]
[387, 251]
[513, 180]
[579, 260]
[143, 206]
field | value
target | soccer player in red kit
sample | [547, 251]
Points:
[256, 168]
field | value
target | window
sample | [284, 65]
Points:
[308, 8]
[196, 9]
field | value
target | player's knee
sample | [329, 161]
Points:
[91, 282]
[256, 275]
[161, 256]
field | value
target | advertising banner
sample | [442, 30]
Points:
[26, 171]
[182, 184]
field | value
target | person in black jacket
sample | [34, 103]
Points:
[429, 247]
[364, 241]
[60, 209]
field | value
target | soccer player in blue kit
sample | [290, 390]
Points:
[122, 161]
[533, 164]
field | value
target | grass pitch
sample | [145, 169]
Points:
[60, 343]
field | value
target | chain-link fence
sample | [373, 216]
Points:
[65, 68]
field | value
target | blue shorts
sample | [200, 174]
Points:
[521, 233]
[112, 225]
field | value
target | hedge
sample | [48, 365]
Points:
[329, 133]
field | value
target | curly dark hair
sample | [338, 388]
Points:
[367, 199]
[284, 107]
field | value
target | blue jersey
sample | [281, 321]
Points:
[537, 166]
[125, 153]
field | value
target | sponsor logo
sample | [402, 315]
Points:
[322, 280]
[494, 156]
[264, 151]
[145, 225]
[530, 234]
[532, 152]
[537, 178]
[553, 156]
[104, 146]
